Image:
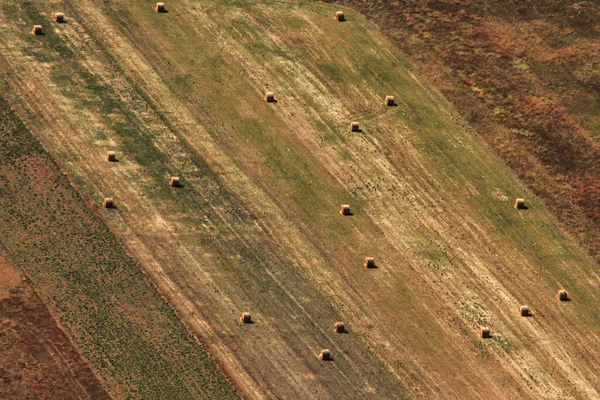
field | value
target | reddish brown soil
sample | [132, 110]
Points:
[37, 360]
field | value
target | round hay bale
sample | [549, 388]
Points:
[111, 156]
[354, 127]
[338, 327]
[59, 17]
[339, 16]
[160, 8]
[524, 311]
[562, 295]
[108, 202]
[174, 181]
[485, 333]
[325, 355]
[369, 262]
[389, 101]
[245, 318]
[269, 97]
[345, 209]
[520, 203]
[37, 30]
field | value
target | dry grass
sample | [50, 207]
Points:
[562, 295]
[245, 318]
[520, 203]
[485, 333]
[524, 311]
[325, 355]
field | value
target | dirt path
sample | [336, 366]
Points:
[255, 226]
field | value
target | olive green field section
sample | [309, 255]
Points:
[133, 340]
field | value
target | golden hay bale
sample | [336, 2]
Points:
[160, 7]
[524, 311]
[520, 203]
[338, 327]
[111, 156]
[108, 202]
[269, 97]
[174, 181]
[485, 333]
[369, 262]
[389, 101]
[59, 17]
[245, 318]
[339, 16]
[354, 127]
[37, 30]
[562, 295]
[345, 209]
[325, 355]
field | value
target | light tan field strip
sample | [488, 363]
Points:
[446, 264]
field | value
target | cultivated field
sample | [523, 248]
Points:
[255, 226]
[37, 360]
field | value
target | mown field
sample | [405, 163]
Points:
[129, 335]
[255, 226]
[524, 75]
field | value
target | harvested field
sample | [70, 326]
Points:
[132, 339]
[524, 75]
[255, 228]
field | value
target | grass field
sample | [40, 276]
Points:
[121, 325]
[256, 226]
[523, 74]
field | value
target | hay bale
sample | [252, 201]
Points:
[37, 30]
[339, 16]
[269, 97]
[562, 295]
[245, 318]
[345, 209]
[485, 333]
[338, 327]
[111, 156]
[59, 17]
[520, 203]
[389, 101]
[325, 355]
[524, 311]
[369, 262]
[174, 181]
[160, 8]
[354, 127]
[108, 202]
